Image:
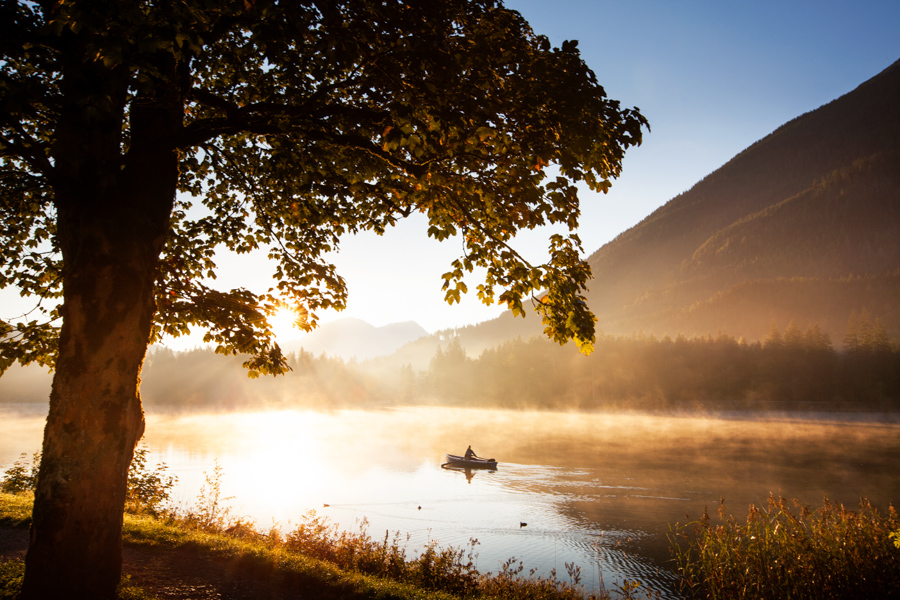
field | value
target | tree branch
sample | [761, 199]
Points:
[21, 148]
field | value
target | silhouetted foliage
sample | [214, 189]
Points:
[149, 490]
[140, 139]
[21, 477]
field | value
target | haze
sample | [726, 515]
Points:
[762, 357]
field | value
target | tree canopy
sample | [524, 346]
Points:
[138, 138]
[300, 122]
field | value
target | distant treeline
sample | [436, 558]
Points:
[793, 370]
[199, 379]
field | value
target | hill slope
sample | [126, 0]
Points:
[349, 338]
[804, 224]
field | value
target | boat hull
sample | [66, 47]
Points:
[454, 460]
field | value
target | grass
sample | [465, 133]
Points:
[327, 562]
[15, 509]
[785, 550]
[12, 573]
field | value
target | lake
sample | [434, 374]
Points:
[597, 490]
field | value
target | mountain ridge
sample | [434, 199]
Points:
[818, 197]
[802, 225]
[350, 338]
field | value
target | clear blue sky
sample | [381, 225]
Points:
[711, 76]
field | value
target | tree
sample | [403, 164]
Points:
[773, 339]
[283, 125]
[793, 336]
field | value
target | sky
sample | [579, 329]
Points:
[712, 77]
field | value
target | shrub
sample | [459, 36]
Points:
[148, 491]
[21, 477]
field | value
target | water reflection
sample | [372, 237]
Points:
[469, 472]
[599, 490]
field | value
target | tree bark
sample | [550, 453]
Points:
[94, 423]
[112, 217]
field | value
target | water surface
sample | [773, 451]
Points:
[597, 490]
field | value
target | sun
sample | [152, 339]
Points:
[283, 324]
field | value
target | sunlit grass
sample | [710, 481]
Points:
[11, 574]
[323, 557]
[241, 545]
[787, 551]
[15, 509]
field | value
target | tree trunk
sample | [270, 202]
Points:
[94, 423]
[112, 218]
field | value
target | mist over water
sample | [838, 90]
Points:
[599, 490]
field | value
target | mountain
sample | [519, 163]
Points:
[803, 225]
[349, 338]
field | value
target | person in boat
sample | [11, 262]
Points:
[470, 454]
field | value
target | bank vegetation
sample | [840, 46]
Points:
[315, 558]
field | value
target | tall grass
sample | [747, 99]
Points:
[431, 568]
[449, 570]
[785, 550]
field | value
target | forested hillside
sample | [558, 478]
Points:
[804, 224]
[792, 368]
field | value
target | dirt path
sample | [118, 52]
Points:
[13, 543]
[187, 574]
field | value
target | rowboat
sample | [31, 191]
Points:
[454, 460]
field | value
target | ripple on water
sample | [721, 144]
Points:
[599, 490]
